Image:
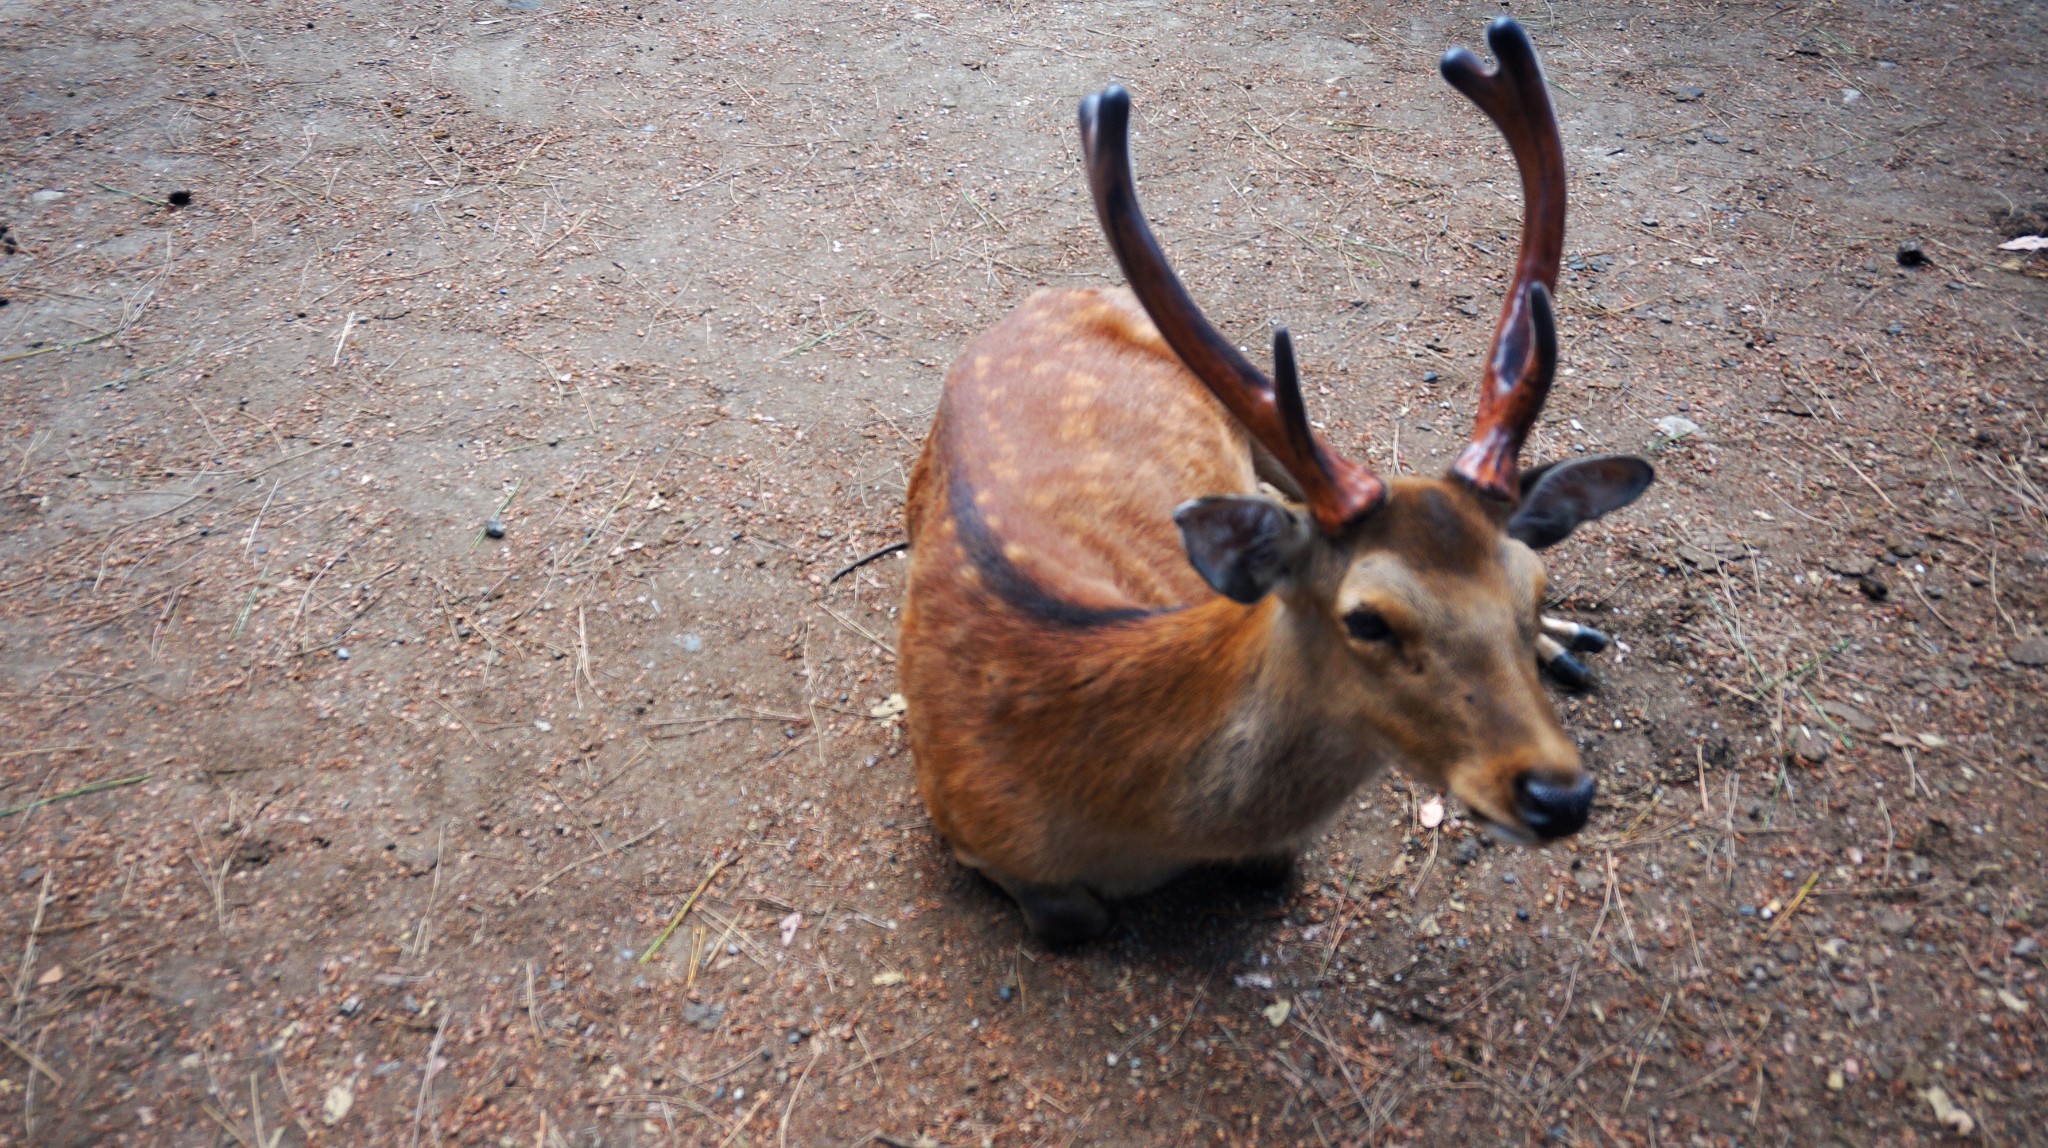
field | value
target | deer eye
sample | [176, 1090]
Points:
[1368, 626]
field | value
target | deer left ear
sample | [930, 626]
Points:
[1241, 544]
[1558, 497]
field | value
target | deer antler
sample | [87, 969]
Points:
[1524, 354]
[1339, 492]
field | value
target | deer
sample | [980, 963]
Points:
[1153, 621]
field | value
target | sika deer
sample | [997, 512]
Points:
[1122, 659]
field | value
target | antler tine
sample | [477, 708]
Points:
[1338, 491]
[1524, 355]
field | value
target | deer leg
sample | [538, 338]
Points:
[1058, 914]
[1268, 870]
[1555, 647]
[1573, 636]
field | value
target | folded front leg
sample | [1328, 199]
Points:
[1555, 647]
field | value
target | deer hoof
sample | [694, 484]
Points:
[1559, 663]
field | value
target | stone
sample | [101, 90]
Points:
[1896, 922]
[1687, 93]
[1709, 550]
[1675, 427]
[1809, 746]
[1850, 716]
[1849, 565]
[704, 1016]
[2031, 652]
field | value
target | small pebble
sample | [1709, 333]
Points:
[180, 199]
[342, 653]
[1521, 914]
[495, 528]
[1429, 376]
[1747, 910]
[1810, 746]
[1911, 255]
[1006, 993]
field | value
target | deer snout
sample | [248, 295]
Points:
[1553, 805]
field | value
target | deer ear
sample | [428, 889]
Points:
[1558, 497]
[1241, 544]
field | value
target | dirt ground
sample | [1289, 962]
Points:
[333, 817]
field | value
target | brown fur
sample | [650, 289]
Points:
[1084, 710]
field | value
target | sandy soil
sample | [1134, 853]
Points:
[330, 817]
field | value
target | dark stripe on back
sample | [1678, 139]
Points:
[1012, 586]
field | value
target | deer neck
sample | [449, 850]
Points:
[1275, 761]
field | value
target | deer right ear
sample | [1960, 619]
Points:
[1241, 544]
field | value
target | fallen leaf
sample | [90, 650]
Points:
[51, 975]
[1932, 740]
[1946, 1112]
[1432, 813]
[2025, 243]
[2006, 998]
[340, 1099]
[890, 707]
[887, 979]
[1276, 1013]
[1253, 981]
[789, 926]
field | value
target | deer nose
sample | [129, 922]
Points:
[1551, 806]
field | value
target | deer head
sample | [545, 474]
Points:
[1412, 605]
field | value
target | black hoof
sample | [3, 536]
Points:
[1569, 670]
